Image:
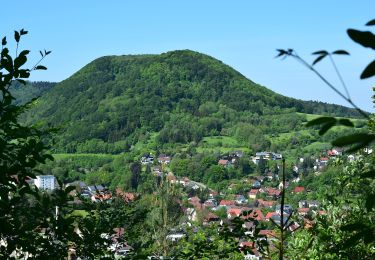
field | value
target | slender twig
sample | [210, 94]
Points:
[340, 77]
[17, 50]
[298, 58]
[281, 249]
[36, 64]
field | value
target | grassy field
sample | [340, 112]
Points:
[221, 144]
[59, 156]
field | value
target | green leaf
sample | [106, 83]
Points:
[321, 120]
[369, 174]
[23, 32]
[48, 52]
[358, 141]
[325, 127]
[4, 41]
[366, 39]
[369, 71]
[17, 36]
[372, 22]
[40, 67]
[341, 52]
[345, 122]
[322, 52]
[319, 59]
[41, 53]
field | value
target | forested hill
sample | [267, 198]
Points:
[182, 95]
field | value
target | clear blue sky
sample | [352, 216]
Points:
[243, 34]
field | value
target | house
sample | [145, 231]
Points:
[255, 214]
[266, 203]
[210, 203]
[271, 192]
[298, 189]
[164, 159]
[256, 185]
[227, 203]
[147, 159]
[269, 215]
[196, 202]
[313, 204]
[157, 170]
[253, 193]
[210, 217]
[224, 162]
[126, 196]
[234, 212]
[175, 236]
[288, 209]
[270, 176]
[303, 211]
[46, 182]
[240, 199]
[252, 253]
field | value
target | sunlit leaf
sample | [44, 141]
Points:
[369, 71]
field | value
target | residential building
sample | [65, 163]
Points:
[45, 182]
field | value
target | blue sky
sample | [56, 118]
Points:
[243, 34]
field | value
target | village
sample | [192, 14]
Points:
[257, 202]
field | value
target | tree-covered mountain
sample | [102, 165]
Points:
[113, 101]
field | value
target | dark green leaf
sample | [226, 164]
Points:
[40, 67]
[325, 127]
[341, 52]
[360, 140]
[321, 120]
[41, 53]
[366, 39]
[372, 22]
[23, 32]
[369, 71]
[319, 59]
[48, 52]
[69, 189]
[320, 53]
[369, 174]
[4, 41]
[16, 36]
[345, 122]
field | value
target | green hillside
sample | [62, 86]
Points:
[115, 102]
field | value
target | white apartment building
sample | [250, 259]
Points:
[45, 182]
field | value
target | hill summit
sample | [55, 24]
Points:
[182, 95]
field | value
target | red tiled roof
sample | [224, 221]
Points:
[227, 202]
[256, 214]
[269, 215]
[234, 212]
[266, 203]
[223, 162]
[298, 189]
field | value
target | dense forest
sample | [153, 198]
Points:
[113, 102]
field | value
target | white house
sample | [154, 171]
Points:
[45, 182]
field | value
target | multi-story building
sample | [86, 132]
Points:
[45, 182]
